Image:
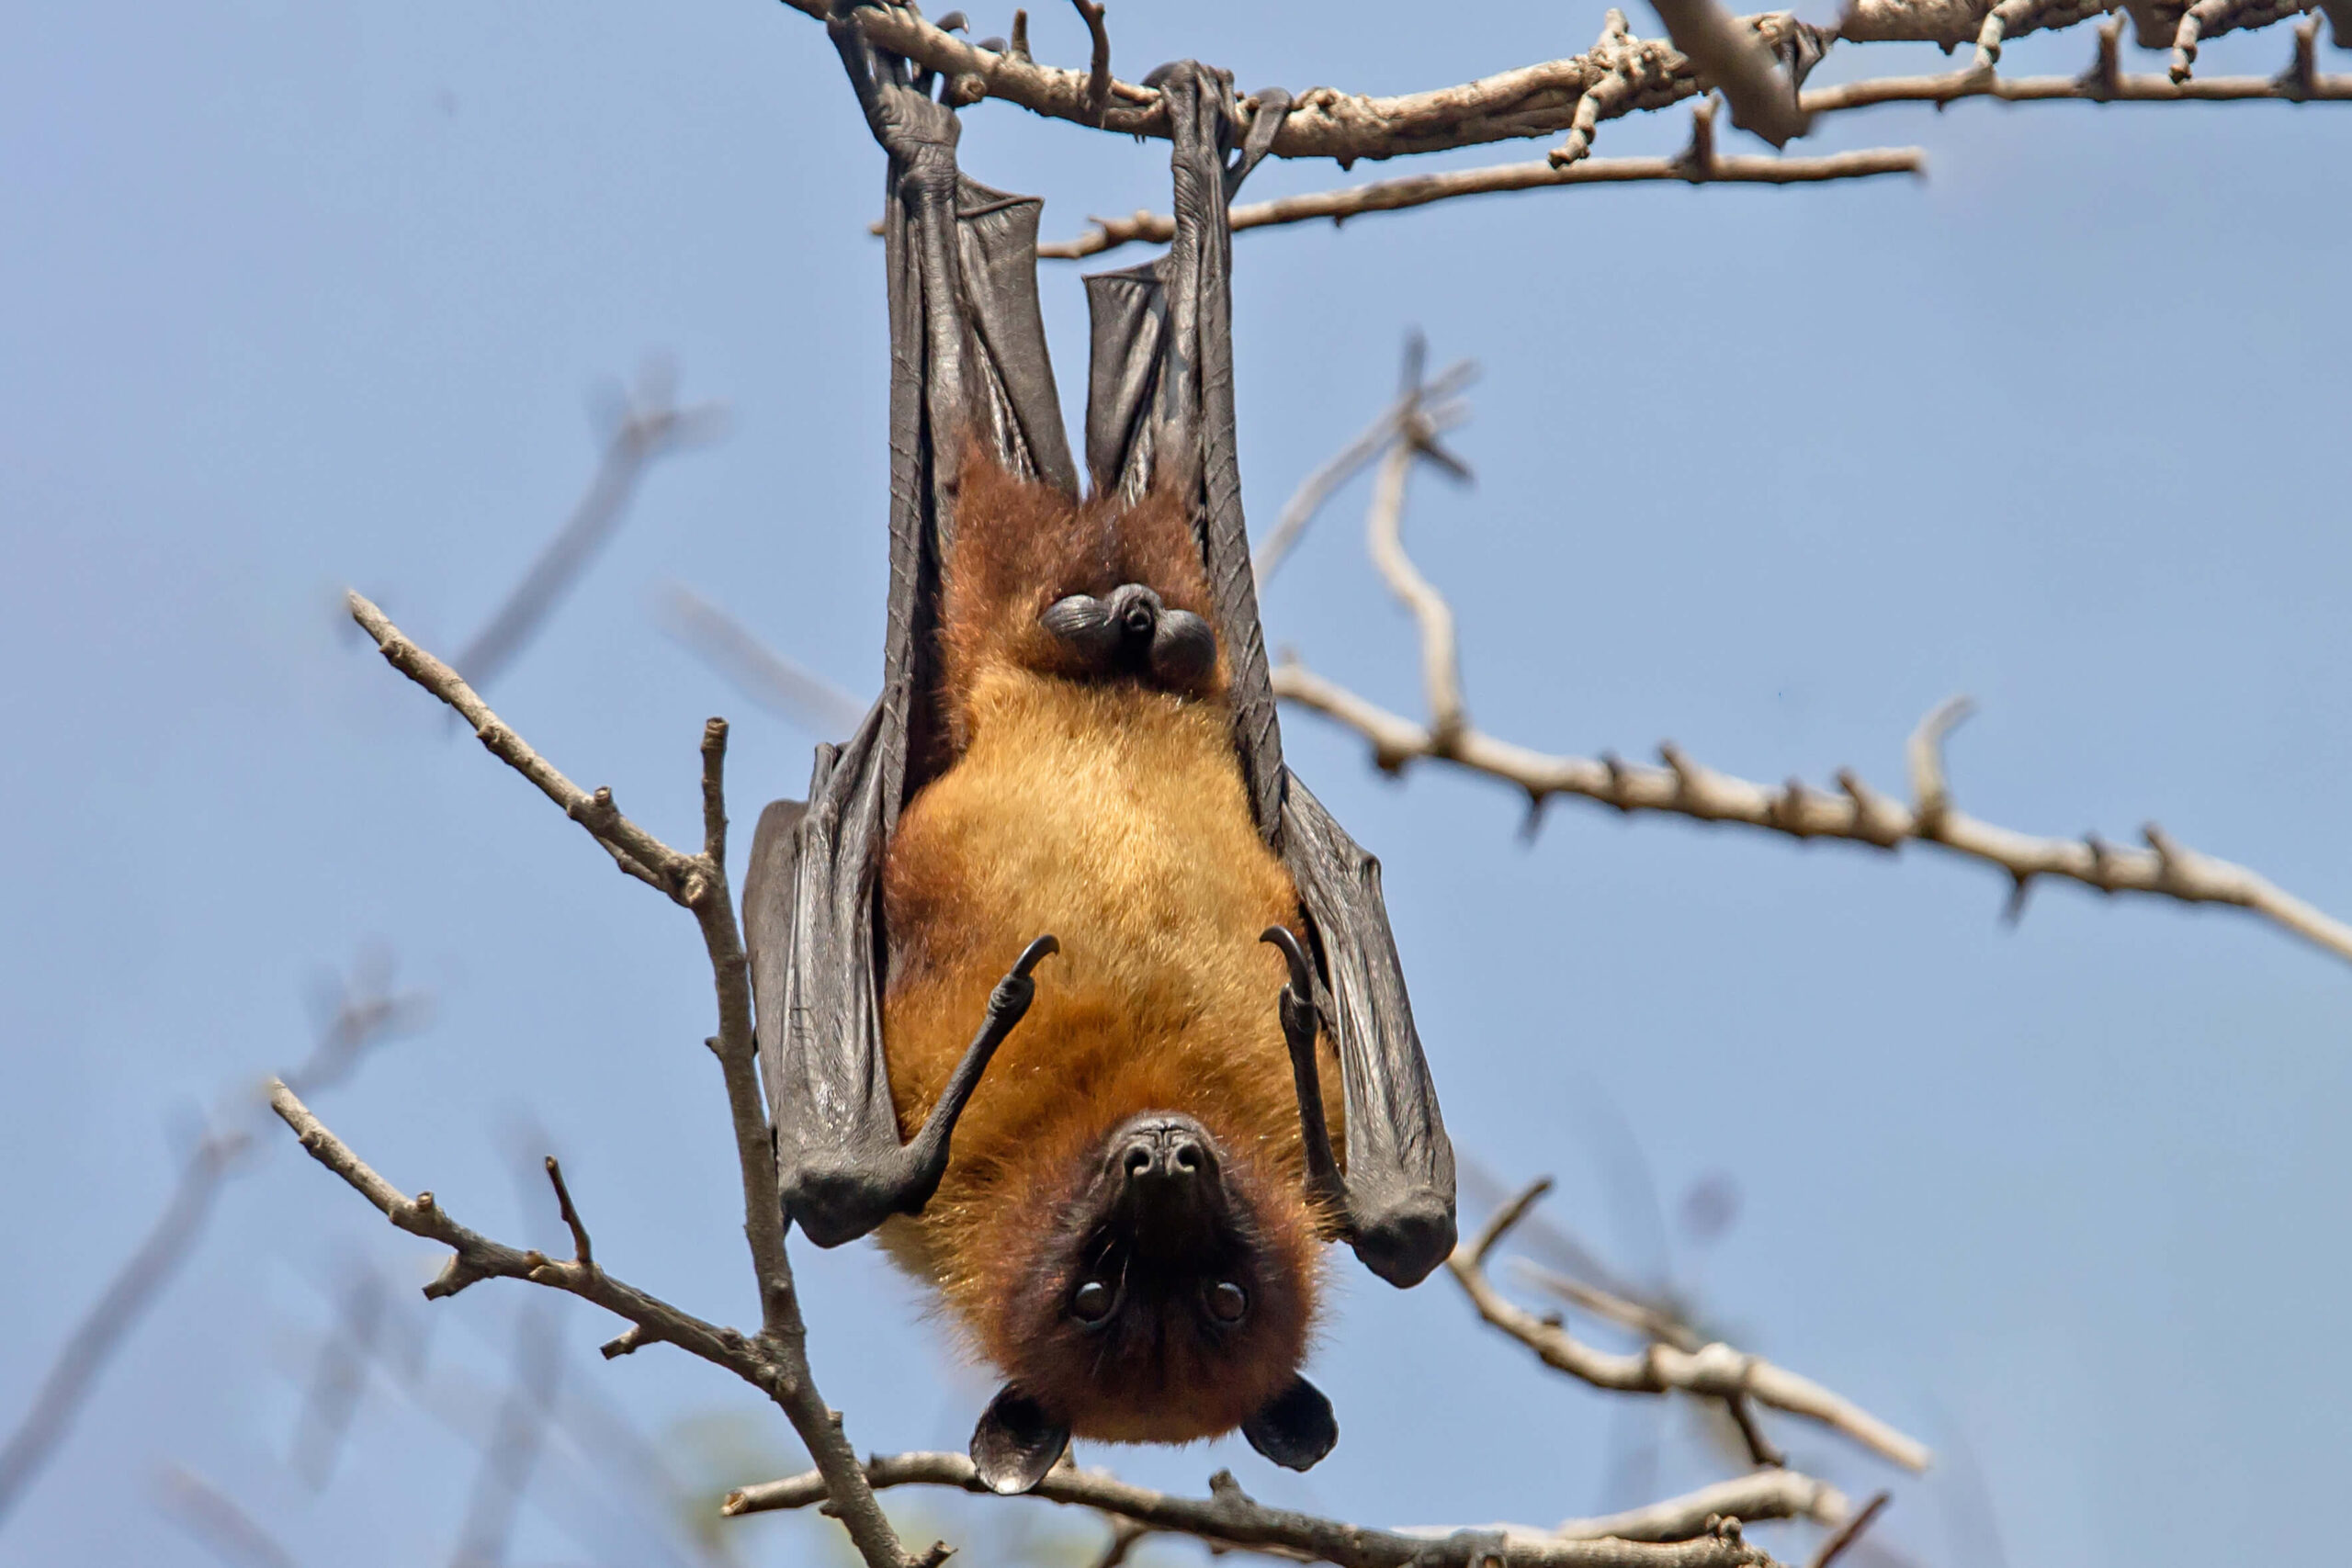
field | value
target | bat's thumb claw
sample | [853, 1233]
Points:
[1035, 953]
[1302, 978]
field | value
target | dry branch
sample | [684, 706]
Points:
[366, 1014]
[1419, 190]
[649, 426]
[1849, 1532]
[775, 683]
[1621, 74]
[1713, 1371]
[219, 1522]
[775, 1359]
[1680, 1537]
[1859, 814]
[1433, 405]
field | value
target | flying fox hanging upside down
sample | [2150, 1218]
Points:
[1117, 1167]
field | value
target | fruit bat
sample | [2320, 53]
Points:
[1058, 900]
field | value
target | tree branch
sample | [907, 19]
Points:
[1860, 815]
[1849, 1532]
[1421, 190]
[636, 851]
[1621, 74]
[776, 1360]
[651, 426]
[366, 1013]
[1715, 1372]
[1673, 1534]
[774, 1367]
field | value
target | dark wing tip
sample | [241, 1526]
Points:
[1402, 1240]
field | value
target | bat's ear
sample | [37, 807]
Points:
[1295, 1428]
[1017, 1442]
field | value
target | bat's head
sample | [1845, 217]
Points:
[1169, 1301]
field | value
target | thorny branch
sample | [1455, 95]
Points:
[1419, 190]
[1714, 1372]
[366, 1013]
[775, 1360]
[1624, 74]
[1700, 1530]
[649, 426]
[1855, 812]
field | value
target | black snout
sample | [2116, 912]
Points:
[1166, 1153]
[1164, 1169]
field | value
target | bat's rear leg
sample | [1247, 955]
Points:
[837, 1202]
[1129, 631]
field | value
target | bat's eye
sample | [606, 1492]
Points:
[1090, 1303]
[1229, 1302]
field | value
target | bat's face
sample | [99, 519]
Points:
[1172, 1303]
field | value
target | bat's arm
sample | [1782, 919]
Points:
[808, 912]
[1395, 1198]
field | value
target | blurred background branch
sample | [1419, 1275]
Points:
[361, 1012]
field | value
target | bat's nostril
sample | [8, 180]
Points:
[1139, 1160]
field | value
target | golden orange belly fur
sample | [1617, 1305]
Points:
[1114, 817]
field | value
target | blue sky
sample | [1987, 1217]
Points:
[303, 297]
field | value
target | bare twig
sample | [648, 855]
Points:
[1098, 67]
[581, 1253]
[1850, 1531]
[775, 1361]
[636, 851]
[366, 1014]
[1125, 1536]
[340, 1377]
[216, 1519]
[776, 684]
[1229, 1518]
[512, 1451]
[1776, 1494]
[1716, 1371]
[1384, 538]
[1421, 190]
[1437, 405]
[651, 427]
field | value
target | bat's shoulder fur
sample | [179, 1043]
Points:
[1114, 816]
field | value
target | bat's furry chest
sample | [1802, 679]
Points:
[1114, 816]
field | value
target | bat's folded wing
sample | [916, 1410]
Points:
[967, 364]
[1400, 1161]
[1159, 410]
